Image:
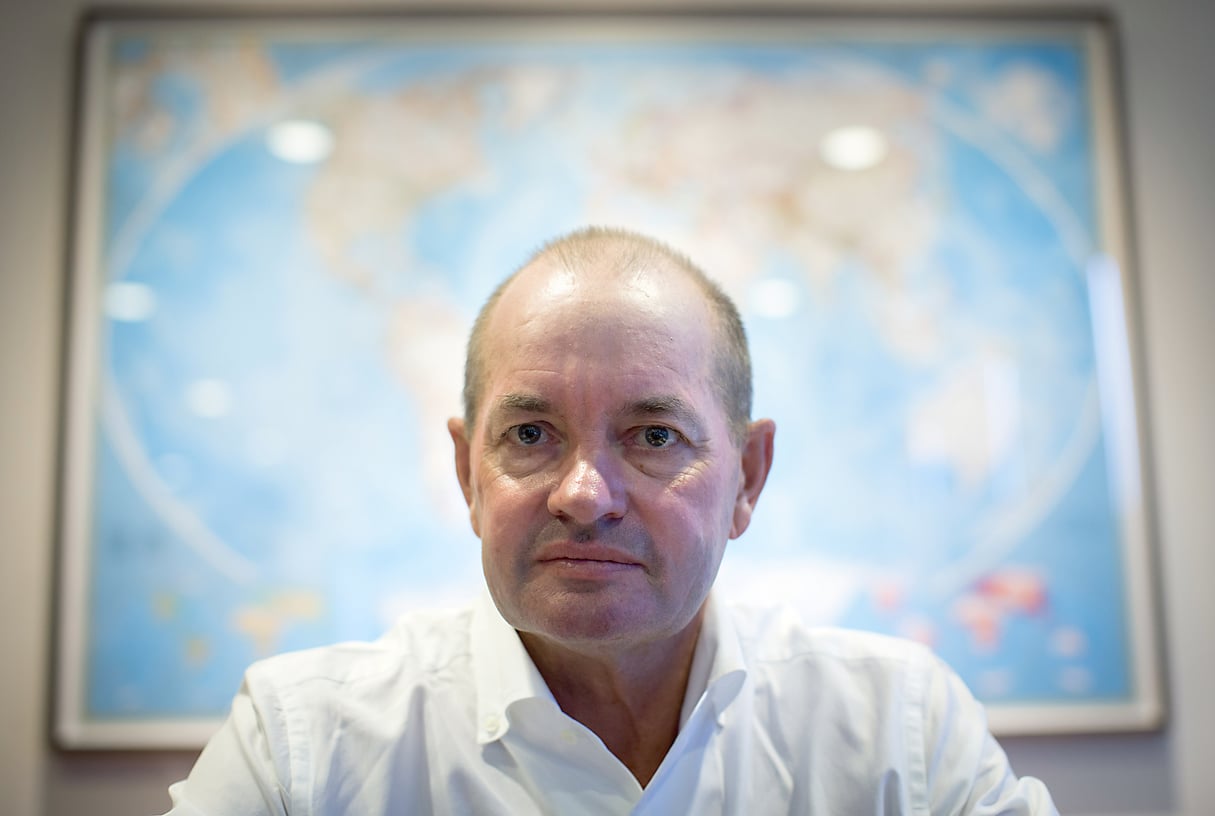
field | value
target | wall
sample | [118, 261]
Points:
[1172, 130]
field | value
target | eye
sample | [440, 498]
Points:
[656, 436]
[528, 434]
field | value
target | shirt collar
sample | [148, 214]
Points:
[718, 668]
[502, 670]
[504, 673]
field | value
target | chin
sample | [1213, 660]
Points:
[579, 622]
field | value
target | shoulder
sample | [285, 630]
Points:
[881, 705]
[777, 634]
[842, 670]
[419, 644]
[336, 712]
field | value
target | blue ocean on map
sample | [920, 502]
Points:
[298, 232]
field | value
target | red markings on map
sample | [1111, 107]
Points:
[986, 607]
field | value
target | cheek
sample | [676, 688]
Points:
[707, 500]
[695, 523]
[507, 509]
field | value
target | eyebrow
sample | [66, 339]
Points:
[665, 406]
[529, 403]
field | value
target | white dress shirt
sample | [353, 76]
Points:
[447, 714]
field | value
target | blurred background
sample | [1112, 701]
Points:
[1170, 126]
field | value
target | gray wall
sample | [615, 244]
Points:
[1168, 69]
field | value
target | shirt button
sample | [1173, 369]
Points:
[491, 723]
[569, 737]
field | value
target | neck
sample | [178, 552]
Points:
[630, 697]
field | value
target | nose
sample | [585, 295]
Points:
[589, 490]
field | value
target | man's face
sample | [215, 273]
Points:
[601, 476]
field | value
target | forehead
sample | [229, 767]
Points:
[632, 330]
[549, 295]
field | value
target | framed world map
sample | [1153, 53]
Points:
[284, 227]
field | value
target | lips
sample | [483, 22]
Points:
[589, 556]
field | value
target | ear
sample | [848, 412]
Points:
[463, 451]
[756, 461]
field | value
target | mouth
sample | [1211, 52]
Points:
[588, 560]
[587, 570]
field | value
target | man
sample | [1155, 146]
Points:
[607, 455]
